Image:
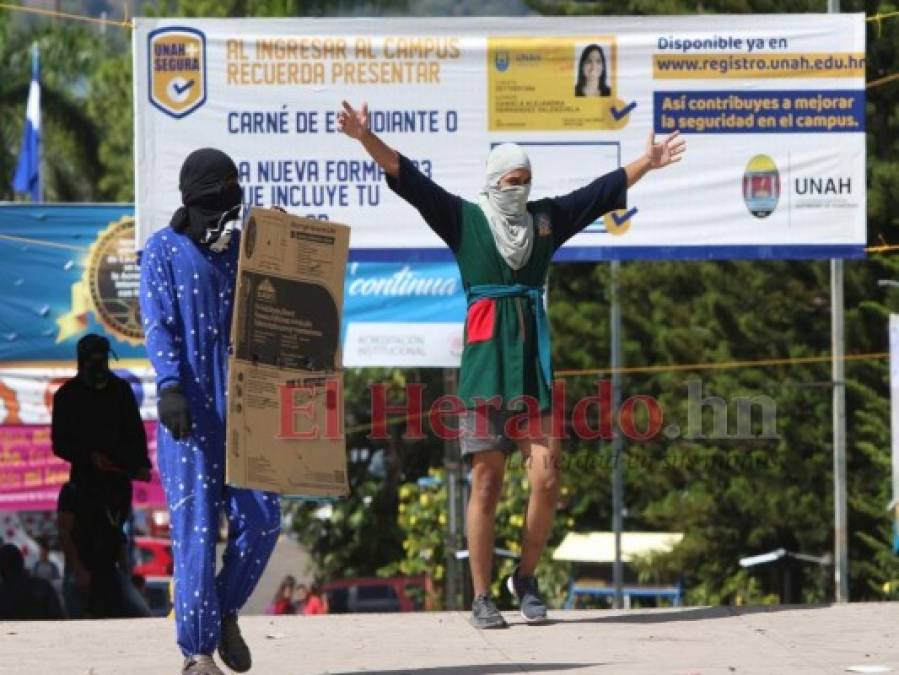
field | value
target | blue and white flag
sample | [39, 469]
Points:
[28, 172]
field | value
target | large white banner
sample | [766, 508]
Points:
[772, 107]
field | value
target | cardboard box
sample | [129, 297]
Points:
[285, 382]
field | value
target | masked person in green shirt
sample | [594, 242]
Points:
[503, 245]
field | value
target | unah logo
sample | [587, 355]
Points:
[761, 186]
[177, 70]
[501, 60]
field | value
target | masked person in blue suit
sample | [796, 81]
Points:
[188, 275]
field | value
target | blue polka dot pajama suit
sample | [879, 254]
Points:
[187, 297]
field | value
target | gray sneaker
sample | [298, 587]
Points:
[524, 589]
[233, 650]
[200, 664]
[484, 613]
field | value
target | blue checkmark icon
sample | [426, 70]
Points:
[620, 220]
[179, 89]
[618, 114]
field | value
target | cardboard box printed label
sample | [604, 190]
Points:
[285, 385]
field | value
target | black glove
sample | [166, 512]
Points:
[173, 412]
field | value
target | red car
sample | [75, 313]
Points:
[154, 557]
[392, 594]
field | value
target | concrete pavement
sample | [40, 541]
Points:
[688, 641]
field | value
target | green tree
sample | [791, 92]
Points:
[276, 8]
[110, 108]
[361, 534]
[69, 138]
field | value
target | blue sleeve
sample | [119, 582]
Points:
[160, 315]
[571, 213]
[441, 210]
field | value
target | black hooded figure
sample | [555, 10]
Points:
[97, 426]
[98, 429]
[211, 198]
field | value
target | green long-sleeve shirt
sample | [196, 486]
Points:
[500, 357]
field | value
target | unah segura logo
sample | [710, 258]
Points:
[177, 70]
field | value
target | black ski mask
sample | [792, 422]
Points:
[93, 360]
[211, 198]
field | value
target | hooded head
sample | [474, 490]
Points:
[504, 202]
[508, 181]
[93, 360]
[211, 198]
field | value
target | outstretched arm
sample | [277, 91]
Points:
[657, 155]
[574, 211]
[354, 123]
[440, 209]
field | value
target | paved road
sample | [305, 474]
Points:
[687, 641]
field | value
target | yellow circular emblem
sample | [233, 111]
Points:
[113, 277]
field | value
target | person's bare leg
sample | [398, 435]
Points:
[487, 471]
[542, 459]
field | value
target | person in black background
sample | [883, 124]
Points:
[97, 428]
[22, 596]
[76, 580]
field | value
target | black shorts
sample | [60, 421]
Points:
[484, 429]
[488, 435]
